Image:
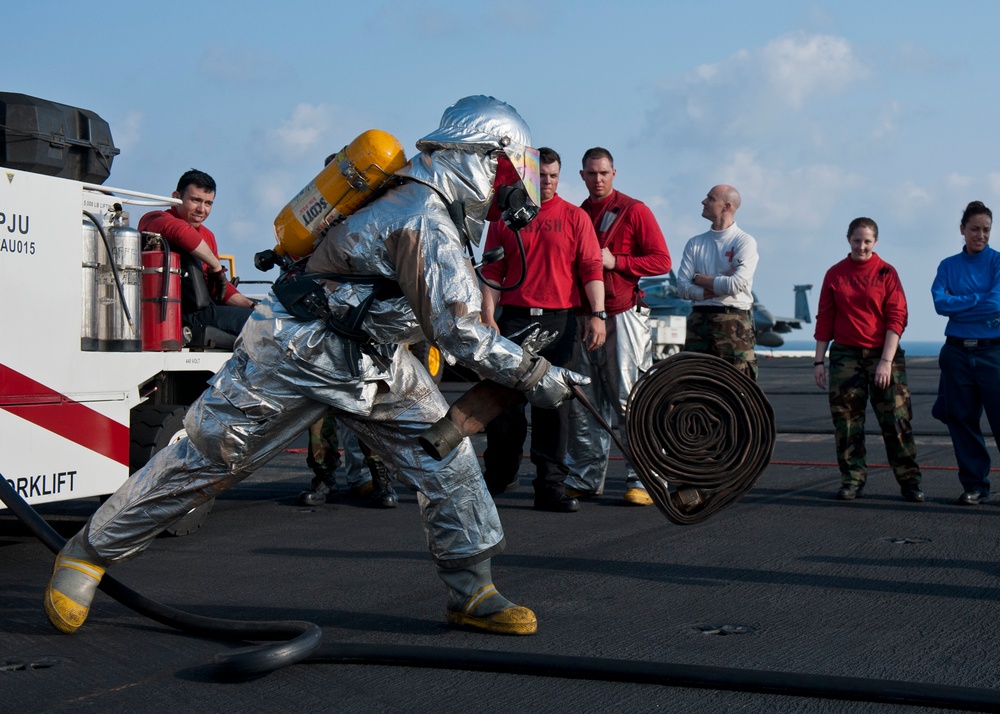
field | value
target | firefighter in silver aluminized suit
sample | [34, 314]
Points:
[286, 373]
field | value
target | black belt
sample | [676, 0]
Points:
[972, 344]
[719, 310]
[518, 311]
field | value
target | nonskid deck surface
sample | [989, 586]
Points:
[788, 579]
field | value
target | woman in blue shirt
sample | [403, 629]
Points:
[967, 292]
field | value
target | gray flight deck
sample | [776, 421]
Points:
[786, 580]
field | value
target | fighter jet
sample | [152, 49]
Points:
[662, 297]
[770, 328]
[664, 303]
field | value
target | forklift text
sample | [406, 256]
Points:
[43, 484]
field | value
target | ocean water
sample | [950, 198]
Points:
[913, 349]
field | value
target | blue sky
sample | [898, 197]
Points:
[818, 112]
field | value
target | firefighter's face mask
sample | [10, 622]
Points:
[516, 188]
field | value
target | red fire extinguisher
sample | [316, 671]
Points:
[161, 296]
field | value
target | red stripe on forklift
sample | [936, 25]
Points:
[24, 397]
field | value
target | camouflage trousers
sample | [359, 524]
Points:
[324, 455]
[729, 335]
[852, 384]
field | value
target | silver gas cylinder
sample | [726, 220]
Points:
[92, 249]
[119, 293]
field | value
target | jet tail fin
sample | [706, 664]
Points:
[802, 303]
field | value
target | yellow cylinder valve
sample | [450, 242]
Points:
[345, 184]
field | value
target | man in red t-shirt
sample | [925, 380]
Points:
[561, 256]
[181, 226]
[632, 246]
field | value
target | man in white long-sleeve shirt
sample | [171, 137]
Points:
[716, 274]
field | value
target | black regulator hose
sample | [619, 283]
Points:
[303, 647]
[489, 259]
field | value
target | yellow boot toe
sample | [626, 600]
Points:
[513, 620]
[70, 592]
[638, 497]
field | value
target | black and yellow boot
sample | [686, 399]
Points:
[71, 589]
[473, 601]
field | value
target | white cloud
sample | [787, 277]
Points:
[311, 132]
[910, 199]
[800, 66]
[301, 133]
[958, 181]
[708, 72]
[790, 69]
[273, 191]
[886, 122]
[776, 198]
[789, 88]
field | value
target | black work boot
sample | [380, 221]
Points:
[551, 496]
[911, 491]
[323, 458]
[323, 489]
[378, 491]
[850, 491]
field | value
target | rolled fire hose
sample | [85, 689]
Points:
[303, 640]
[699, 425]
[694, 423]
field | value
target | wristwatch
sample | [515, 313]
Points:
[599, 314]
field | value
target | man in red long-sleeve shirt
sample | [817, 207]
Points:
[181, 226]
[562, 258]
[632, 246]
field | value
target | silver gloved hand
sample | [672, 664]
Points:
[532, 339]
[554, 387]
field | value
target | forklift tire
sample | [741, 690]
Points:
[431, 358]
[153, 428]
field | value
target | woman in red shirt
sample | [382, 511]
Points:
[862, 309]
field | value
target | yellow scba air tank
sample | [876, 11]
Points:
[352, 177]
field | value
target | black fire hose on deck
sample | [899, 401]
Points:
[303, 647]
[297, 639]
